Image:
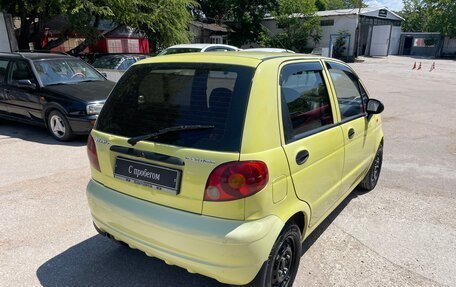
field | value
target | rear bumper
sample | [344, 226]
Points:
[229, 251]
[82, 126]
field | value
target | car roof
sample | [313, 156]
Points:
[251, 58]
[35, 55]
[201, 46]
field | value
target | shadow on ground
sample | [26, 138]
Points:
[98, 261]
[327, 222]
[38, 134]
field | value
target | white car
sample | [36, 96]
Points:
[191, 48]
[276, 50]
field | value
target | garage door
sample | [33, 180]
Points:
[380, 40]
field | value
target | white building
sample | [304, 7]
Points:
[8, 41]
[379, 35]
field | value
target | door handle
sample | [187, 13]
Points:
[7, 91]
[302, 157]
[351, 133]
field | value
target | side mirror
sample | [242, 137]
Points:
[26, 84]
[374, 107]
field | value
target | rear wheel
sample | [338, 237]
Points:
[282, 266]
[59, 126]
[370, 180]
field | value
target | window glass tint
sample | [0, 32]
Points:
[347, 91]
[20, 71]
[218, 49]
[150, 97]
[3, 66]
[106, 62]
[171, 51]
[364, 95]
[305, 99]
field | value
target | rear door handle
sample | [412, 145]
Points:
[302, 157]
[7, 91]
[351, 133]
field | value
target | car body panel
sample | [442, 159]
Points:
[227, 250]
[307, 192]
[198, 164]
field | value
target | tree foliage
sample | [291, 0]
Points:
[298, 22]
[243, 17]
[430, 16]
[338, 4]
[166, 21]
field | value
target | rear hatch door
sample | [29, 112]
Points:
[196, 113]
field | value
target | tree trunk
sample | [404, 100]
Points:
[24, 37]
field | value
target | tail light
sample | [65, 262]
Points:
[236, 180]
[92, 153]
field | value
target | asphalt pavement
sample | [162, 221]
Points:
[403, 233]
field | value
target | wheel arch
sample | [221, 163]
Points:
[51, 107]
[300, 219]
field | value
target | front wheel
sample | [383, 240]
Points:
[282, 266]
[59, 126]
[370, 180]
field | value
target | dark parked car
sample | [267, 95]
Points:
[61, 92]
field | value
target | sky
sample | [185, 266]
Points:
[391, 4]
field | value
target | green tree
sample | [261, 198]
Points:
[165, 21]
[430, 16]
[414, 13]
[298, 22]
[441, 16]
[243, 17]
[338, 4]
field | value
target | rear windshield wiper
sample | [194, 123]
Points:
[134, 140]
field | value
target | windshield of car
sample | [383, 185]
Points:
[152, 97]
[65, 71]
[170, 51]
[106, 62]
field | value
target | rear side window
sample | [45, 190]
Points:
[151, 97]
[305, 101]
[3, 67]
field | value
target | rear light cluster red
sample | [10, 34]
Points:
[236, 180]
[92, 153]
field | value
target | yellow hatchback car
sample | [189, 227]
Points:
[223, 163]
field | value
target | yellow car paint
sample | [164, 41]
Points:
[229, 241]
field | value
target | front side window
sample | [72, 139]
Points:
[305, 101]
[152, 97]
[20, 71]
[348, 92]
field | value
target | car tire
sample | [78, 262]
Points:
[283, 262]
[370, 180]
[59, 126]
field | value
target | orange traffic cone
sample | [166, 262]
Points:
[414, 66]
[419, 67]
[432, 67]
